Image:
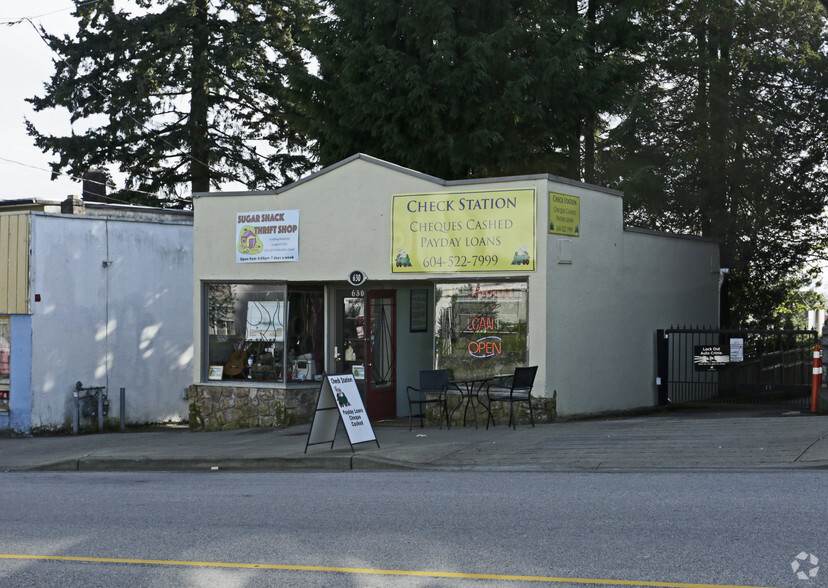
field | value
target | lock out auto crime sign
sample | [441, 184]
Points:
[709, 358]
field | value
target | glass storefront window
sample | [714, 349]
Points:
[305, 333]
[480, 328]
[353, 335]
[5, 362]
[265, 332]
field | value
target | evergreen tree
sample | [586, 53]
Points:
[462, 88]
[180, 92]
[727, 139]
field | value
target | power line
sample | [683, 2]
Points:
[30, 20]
[82, 179]
[105, 94]
[14, 21]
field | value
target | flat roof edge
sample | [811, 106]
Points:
[179, 220]
[534, 178]
[29, 204]
[138, 208]
[30, 200]
[667, 234]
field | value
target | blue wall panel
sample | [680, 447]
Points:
[20, 394]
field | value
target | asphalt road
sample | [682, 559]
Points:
[426, 528]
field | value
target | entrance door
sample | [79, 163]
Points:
[366, 332]
[382, 357]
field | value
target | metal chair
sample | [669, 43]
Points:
[512, 389]
[431, 382]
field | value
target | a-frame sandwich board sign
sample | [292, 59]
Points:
[339, 401]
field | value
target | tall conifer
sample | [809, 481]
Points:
[178, 94]
[728, 139]
[464, 88]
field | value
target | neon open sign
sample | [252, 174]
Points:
[486, 347]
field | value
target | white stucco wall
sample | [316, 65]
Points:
[345, 224]
[115, 311]
[415, 351]
[592, 319]
[606, 305]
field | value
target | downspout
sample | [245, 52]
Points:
[722, 273]
[106, 263]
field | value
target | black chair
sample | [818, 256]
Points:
[431, 382]
[512, 389]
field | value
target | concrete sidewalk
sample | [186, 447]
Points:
[662, 441]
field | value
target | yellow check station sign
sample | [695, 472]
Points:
[474, 231]
[564, 214]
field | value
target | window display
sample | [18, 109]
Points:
[351, 358]
[480, 328]
[305, 343]
[265, 332]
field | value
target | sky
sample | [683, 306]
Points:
[25, 65]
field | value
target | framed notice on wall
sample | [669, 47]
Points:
[419, 311]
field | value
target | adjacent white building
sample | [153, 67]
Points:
[99, 294]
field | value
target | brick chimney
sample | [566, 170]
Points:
[72, 205]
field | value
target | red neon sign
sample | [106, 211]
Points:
[480, 323]
[486, 347]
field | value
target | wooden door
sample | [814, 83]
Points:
[381, 369]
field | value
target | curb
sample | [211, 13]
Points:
[336, 463]
[146, 464]
[357, 462]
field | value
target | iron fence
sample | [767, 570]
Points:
[729, 366]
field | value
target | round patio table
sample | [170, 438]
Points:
[469, 391]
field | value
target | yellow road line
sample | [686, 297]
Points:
[213, 564]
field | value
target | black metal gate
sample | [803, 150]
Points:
[760, 367]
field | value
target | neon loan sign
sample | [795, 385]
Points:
[480, 323]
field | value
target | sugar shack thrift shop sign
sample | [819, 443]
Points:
[267, 236]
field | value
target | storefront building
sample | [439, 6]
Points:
[379, 271]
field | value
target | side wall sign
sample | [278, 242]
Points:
[267, 236]
[475, 231]
[564, 214]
